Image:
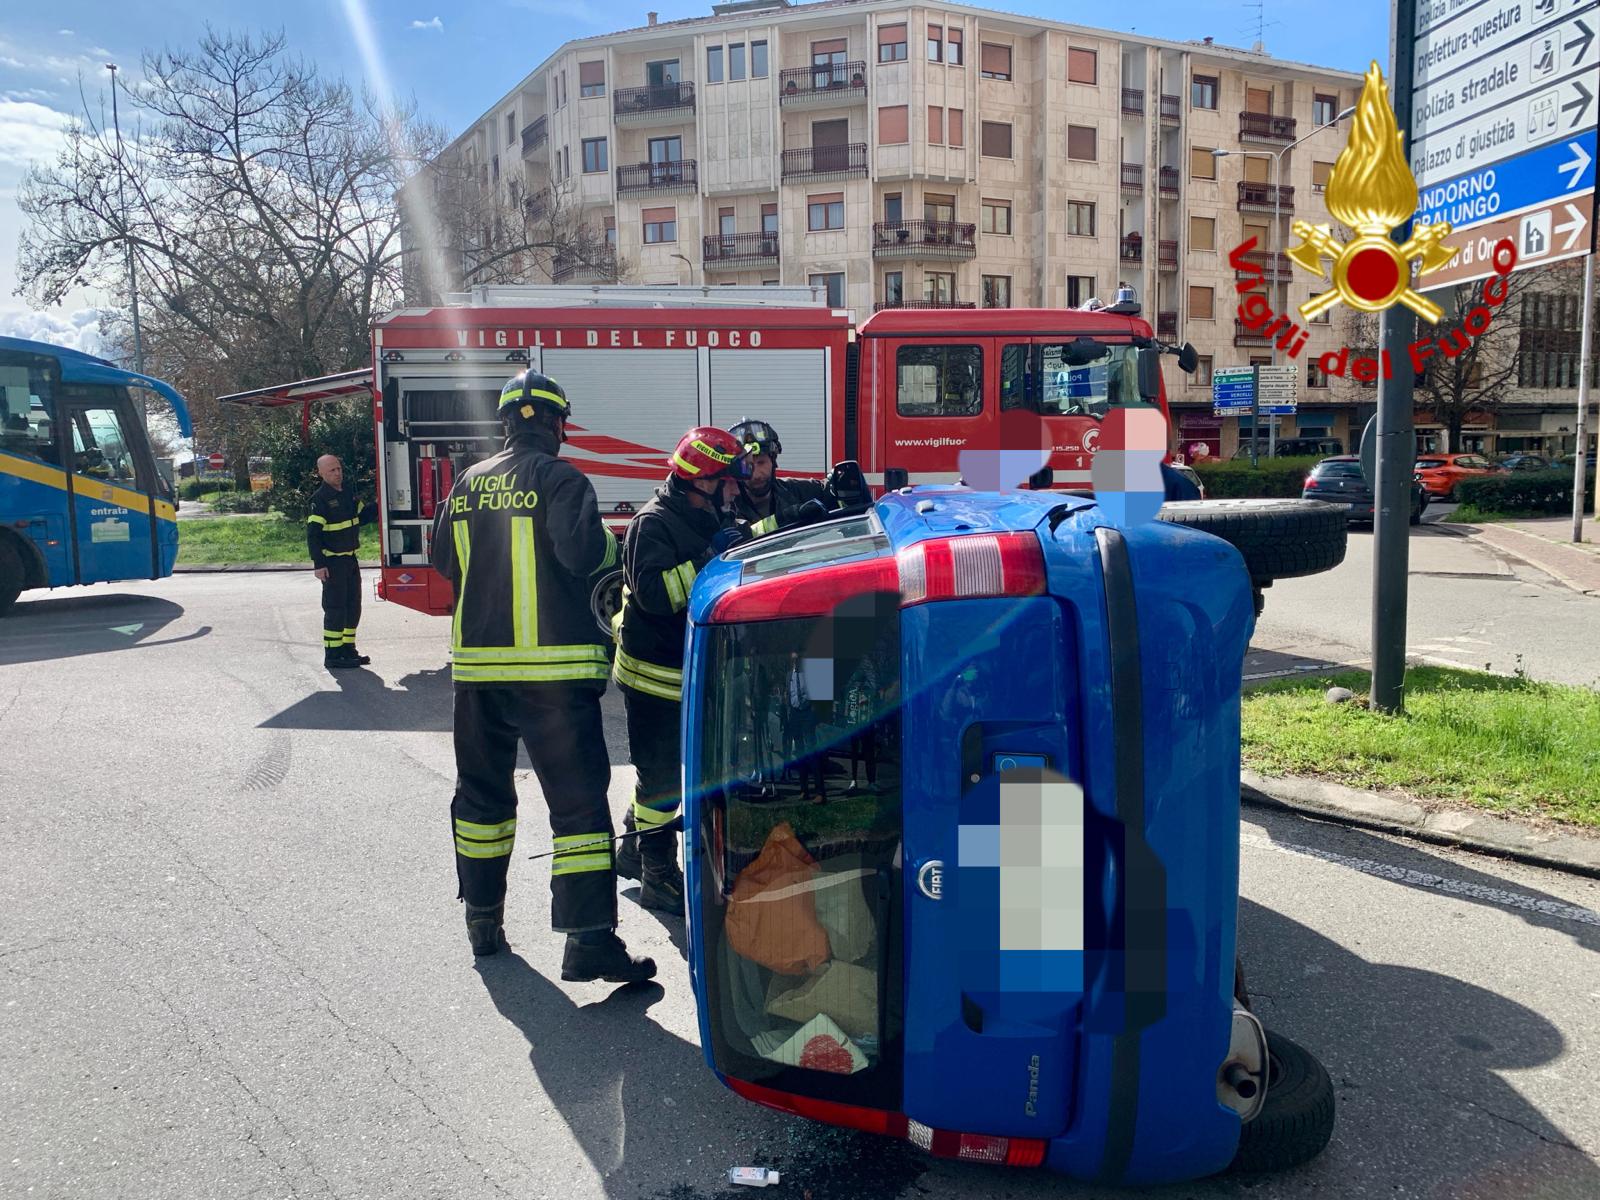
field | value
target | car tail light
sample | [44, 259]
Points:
[977, 1147]
[963, 568]
[831, 1112]
[1311, 483]
[807, 594]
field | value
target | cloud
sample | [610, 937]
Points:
[66, 33]
[79, 329]
[29, 132]
[581, 11]
[435, 24]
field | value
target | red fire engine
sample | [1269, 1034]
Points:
[904, 394]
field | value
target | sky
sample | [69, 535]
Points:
[455, 60]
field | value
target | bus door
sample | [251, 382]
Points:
[113, 484]
[937, 403]
[33, 487]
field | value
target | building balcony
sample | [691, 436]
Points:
[1172, 108]
[823, 86]
[535, 134]
[951, 302]
[1273, 266]
[658, 104]
[1131, 248]
[1243, 335]
[596, 268]
[924, 239]
[825, 162]
[661, 177]
[1133, 101]
[1264, 127]
[1265, 197]
[536, 205]
[730, 251]
[1167, 253]
[1133, 177]
[1166, 324]
[1167, 181]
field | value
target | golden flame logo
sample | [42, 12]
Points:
[1372, 190]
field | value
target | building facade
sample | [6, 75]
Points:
[943, 155]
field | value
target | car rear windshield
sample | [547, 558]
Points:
[813, 545]
[1338, 470]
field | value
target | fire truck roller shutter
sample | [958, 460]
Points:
[785, 388]
[644, 398]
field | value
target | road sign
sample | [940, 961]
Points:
[1553, 231]
[1561, 168]
[1280, 384]
[216, 461]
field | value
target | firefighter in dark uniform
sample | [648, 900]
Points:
[674, 535]
[767, 503]
[333, 535]
[520, 537]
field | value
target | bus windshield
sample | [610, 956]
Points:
[1071, 378]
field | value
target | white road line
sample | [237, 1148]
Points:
[1455, 887]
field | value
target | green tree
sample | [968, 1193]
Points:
[342, 428]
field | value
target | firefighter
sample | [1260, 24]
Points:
[520, 537]
[686, 525]
[333, 535]
[767, 503]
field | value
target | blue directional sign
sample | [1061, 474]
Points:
[1536, 177]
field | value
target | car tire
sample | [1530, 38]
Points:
[1296, 1121]
[12, 575]
[605, 601]
[1279, 539]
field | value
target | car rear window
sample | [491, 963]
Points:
[1425, 464]
[1338, 470]
[812, 546]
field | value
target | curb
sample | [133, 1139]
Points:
[245, 568]
[1481, 532]
[1501, 837]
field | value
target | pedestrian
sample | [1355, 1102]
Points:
[520, 537]
[804, 753]
[333, 535]
[682, 528]
[767, 503]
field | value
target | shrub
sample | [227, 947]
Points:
[338, 427]
[1523, 493]
[193, 489]
[239, 502]
[1272, 478]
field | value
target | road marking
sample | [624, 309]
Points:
[1295, 670]
[1455, 887]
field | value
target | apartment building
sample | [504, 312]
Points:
[942, 155]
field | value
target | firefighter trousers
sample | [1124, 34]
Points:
[341, 603]
[561, 727]
[653, 724]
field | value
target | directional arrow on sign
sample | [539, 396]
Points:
[1580, 102]
[1575, 165]
[1573, 226]
[1585, 36]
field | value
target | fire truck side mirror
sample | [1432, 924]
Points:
[1150, 373]
[1188, 359]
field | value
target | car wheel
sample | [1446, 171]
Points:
[1296, 1121]
[605, 602]
[1279, 539]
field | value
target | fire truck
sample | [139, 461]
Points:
[906, 393]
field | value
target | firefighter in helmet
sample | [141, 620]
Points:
[686, 524]
[767, 503]
[520, 537]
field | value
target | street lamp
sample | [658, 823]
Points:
[688, 264]
[122, 203]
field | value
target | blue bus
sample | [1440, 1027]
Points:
[81, 499]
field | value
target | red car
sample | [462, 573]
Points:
[1440, 473]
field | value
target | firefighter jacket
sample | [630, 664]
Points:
[520, 537]
[333, 528]
[782, 502]
[666, 545]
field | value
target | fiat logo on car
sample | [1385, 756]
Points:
[930, 879]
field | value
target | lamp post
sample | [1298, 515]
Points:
[1277, 235]
[122, 202]
[686, 262]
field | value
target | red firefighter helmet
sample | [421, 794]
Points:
[707, 452]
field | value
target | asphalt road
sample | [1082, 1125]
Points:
[232, 965]
[1468, 605]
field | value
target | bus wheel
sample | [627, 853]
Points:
[11, 576]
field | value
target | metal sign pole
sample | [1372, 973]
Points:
[1255, 413]
[1580, 465]
[1397, 446]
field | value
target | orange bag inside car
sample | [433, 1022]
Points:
[772, 914]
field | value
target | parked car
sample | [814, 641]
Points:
[1292, 447]
[1191, 475]
[1440, 473]
[1525, 462]
[1340, 481]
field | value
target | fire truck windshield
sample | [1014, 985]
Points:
[1070, 379]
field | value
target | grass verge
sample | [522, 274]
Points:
[1509, 745]
[214, 541]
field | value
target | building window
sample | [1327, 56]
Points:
[1324, 109]
[494, 168]
[891, 43]
[758, 60]
[893, 209]
[1080, 218]
[952, 49]
[736, 61]
[996, 62]
[939, 286]
[1202, 163]
[834, 282]
[1201, 302]
[1203, 91]
[894, 288]
[726, 226]
[1321, 172]
[996, 139]
[665, 149]
[894, 125]
[825, 212]
[1080, 142]
[997, 291]
[935, 125]
[1322, 318]
[592, 78]
[1202, 233]
[660, 225]
[594, 155]
[955, 128]
[935, 43]
[769, 218]
[997, 217]
[511, 126]
[1080, 290]
[938, 208]
[566, 162]
[561, 90]
[713, 64]
[1202, 371]
[939, 381]
[1082, 66]
[1314, 376]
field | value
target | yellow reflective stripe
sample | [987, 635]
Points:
[765, 526]
[610, 559]
[653, 680]
[654, 670]
[581, 864]
[487, 655]
[680, 461]
[649, 818]
[316, 519]
[687, 573]
[486, 833]
[527, 674]
[483, 849]
[673, 582]
[337, 526]
[340, 553]
[567, 843]
[524, 583]
[463, 540]
[710, 452]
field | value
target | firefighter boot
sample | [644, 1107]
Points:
[335, 660]
[603, 955]
[486, 928]
[353, 658]
[661, 880]
[627, 856]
